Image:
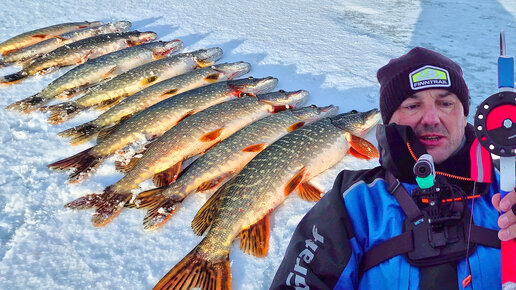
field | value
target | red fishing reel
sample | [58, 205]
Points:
[495, 124]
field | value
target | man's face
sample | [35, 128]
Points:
[437, 118]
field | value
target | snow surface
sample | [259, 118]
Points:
[331, 48]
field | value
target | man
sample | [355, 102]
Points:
[378, 229]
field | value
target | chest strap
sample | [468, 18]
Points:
[404, 243]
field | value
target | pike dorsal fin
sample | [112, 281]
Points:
[255, 239]
[295, 181]
[204, 217]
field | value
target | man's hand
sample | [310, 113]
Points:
[507, 221]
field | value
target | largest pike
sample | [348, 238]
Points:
[154, 94]
[224, 161]
[79, 52]
[96, 70]
[113, 91]
[36, 50]
[191, 137]
[32, 37]
[158, 119]
[242, 206]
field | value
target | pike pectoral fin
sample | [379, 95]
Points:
[356, 154]
[203, 63]
[255, 147]
[309, 192]
[169, 93]
[255, 239]
[295, 181]
[149, 80]
[168, 176]
[85, 57]
[362, 146]
[104, 105]
[195, 271]
[204, 216]
[295, 126]
[208, 137]
[109, 74]
[213, 78]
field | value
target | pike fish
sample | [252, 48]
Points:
[32, 37]
[191, 137]
[96, 70]
[115, 90]
[154, 94]
[224, 161]
[36, 50]
[79, 52]
[242, 206]
[158, 119]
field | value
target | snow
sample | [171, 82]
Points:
[330, 48]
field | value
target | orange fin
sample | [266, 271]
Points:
[84, 58]
[110, 72]
[356, 154]
[204, 63]
[213, 78]
[168, 176]
[295, 181]
[255, 147]
[309, 192]
[110, 103]
[362, 146]
[169, 93]
[211, 184]
[204, 217]
[255, 239]
[195, 271]
[295, 126]
[188, 114]
[211, 135]
[149, 80]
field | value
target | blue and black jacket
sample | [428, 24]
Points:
[359, 213]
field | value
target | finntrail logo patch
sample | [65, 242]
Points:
[429, 77]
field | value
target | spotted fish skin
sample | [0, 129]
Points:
[96, 70]
[130, 82]
[38, 49]
[79, 52]
[156, 93]
[243, 204]
[32, 37]
[156, 120]
[226, 159]
[190, 137]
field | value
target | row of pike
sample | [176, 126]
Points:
[253, 146]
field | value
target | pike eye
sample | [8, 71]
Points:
[281, 91]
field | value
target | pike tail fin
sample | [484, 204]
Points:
[14, 78]
[81, 133]
[108, 204]
[62, 112]
[83, 162]
[29, 104]
[195, 271]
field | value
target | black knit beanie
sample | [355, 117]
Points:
[415, 71]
